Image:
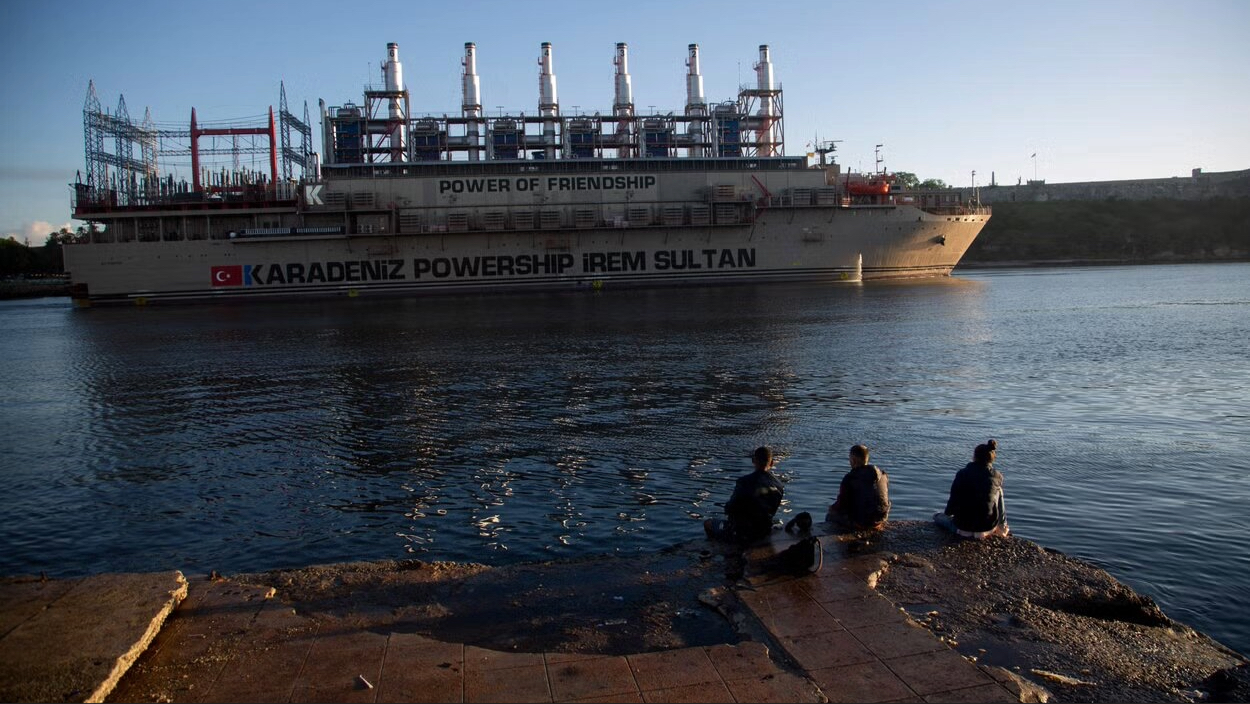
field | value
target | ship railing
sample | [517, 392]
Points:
[637, 216]
[958, 209]
[85, 200]
[252, 232]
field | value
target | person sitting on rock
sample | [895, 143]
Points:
[976, 508]
[750, 510]
[863, 501]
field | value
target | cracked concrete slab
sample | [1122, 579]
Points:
[72, 640]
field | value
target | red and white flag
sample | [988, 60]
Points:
[228, 275]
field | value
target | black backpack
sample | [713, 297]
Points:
[804, 557]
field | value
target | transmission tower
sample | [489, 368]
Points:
[124, 181]
[148, 145]
[93, 137]
[125, 147]
[115, 177]
[288, 121]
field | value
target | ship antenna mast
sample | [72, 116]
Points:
[877, 152]
[827, 147]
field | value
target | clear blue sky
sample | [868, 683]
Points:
[1109, 89]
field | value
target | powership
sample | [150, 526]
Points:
[395, 203]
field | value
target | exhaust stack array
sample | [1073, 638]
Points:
[750, 126]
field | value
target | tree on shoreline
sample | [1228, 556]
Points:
[18, 259]
[910, 182]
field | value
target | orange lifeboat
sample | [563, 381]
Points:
[874, 187]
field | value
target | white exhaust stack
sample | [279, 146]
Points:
[471, 100]
[623, 105]
[548, 104]
[696, 104]
[327, 132]
[393, 76]
[764, 79]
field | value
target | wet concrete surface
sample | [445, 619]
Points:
[605, 605]
[906, 614]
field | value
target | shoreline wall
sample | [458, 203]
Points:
[31, 289]
[1198, 186]
[1203, 217]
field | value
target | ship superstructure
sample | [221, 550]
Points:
[398, 202]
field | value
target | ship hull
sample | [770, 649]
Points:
[835, 244]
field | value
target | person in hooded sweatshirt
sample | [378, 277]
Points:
[976, 508]
[750, 510]
[863, 501]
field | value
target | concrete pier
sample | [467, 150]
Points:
[823, 637]
[381, 632]
[73, 640]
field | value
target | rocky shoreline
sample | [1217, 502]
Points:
[1059, 623]
[34, 289]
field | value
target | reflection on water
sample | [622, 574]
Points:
[507, 428]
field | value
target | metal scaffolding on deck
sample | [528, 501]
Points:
[115, 177]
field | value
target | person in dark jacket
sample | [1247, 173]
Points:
[750, 510]
[863, 501]
[976, 508]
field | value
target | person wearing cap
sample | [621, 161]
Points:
[976, 508]
[863, 501]
[750, 510]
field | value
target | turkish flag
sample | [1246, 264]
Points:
[228, 275]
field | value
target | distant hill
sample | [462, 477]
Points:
[1114, 231]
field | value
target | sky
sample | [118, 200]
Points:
[1101, 90]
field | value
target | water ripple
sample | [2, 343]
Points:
[501, 429]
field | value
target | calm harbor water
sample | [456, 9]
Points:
[500, 429]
